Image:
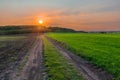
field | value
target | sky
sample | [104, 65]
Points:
[87, 15]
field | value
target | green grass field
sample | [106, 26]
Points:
[58, 67]
[102, 50]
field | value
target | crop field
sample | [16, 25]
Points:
[12, 50]
[102, 50]
[11, 38]
[7, 43]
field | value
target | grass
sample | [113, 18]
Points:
[8, 38]
[102, 50]
[57, 66]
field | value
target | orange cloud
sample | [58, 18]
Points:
[70, 19]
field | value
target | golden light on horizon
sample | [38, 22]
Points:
[40, 21]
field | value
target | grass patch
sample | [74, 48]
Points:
[101, 49]
[57, 66]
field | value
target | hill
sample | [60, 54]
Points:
[7, 30]
[59, 29]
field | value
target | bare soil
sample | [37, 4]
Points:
[11, 55]
[29, 60]
[34, 68]
[88, 70]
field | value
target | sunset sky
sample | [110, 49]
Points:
[76, 14]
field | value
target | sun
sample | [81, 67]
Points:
[40, 21]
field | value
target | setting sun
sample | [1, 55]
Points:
[40, 21]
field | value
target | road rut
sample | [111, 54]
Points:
[33, 69]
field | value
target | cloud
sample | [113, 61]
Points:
[76, 14]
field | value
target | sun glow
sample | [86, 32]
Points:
[40, 21]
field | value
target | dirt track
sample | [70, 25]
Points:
[30, 65]
[33, 69]
[88, 70]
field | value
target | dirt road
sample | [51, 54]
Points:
[29, 65]
[33, 69]
[88, 70]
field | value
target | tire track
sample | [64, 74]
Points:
[34, 68]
